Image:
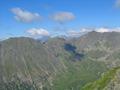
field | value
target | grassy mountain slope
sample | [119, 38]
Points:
[101, 83]
[78, 75]
[28, 60]
[101, 47]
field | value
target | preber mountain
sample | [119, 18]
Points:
[89, 62]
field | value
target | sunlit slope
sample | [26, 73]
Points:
[101, 83]
[79, 74]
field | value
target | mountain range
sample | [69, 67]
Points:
[88, 62]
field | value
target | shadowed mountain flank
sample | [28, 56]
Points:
[72, 49]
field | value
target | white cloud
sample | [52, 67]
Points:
[62, 17]
[74, 33]
[117, 3]
[115, 29]
[102, 30]
[77, 33]
[38, 32]
[82, 31]
[25, 16]
[85, 30]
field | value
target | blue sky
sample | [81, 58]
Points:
[53, 17]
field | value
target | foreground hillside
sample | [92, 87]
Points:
[103, 82]
[60, 64]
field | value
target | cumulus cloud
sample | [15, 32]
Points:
[25, 16]
[117, 3]
[62, 17]
[38, 32]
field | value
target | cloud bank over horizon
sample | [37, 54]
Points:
[38, 32]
